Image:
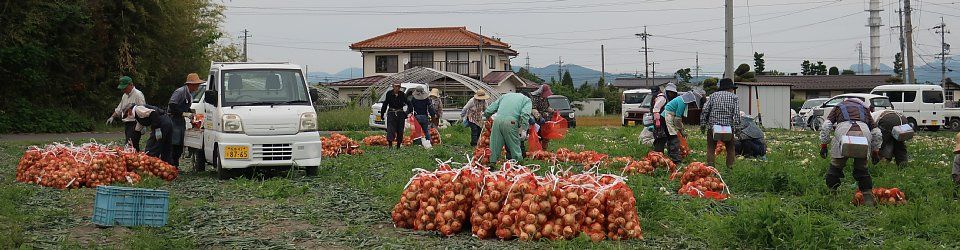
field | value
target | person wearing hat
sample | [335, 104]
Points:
[660, 134]
[751, 142]
[850, 118]
[472, 115]
[722, 108]
[672, 115]
[392, 112]
[159, 143]
[513, 112]
[436, 103]
[539, 99]
[179, 104]
[420, 109]
[131, 96]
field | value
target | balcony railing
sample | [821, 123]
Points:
[467, 68]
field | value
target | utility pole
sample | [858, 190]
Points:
[900, 27]
[653, 70]
[559, 69]
[603, 68]
[244, 37]
[646, 58]
[874, 23]
[728, 40]
[944, 47]
[482, 58]
[860, 52]
[908, 34]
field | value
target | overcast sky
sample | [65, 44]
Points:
[318, 33]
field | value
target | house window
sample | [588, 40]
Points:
[491, 60]
[387, 64]
[421, 59]
[458, 62]
[949, 95]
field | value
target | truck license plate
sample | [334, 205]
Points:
[379, 118]
[934, 122]
[236, 152]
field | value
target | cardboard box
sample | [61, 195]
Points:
[722, 133]
[854, 146]
[903, 132]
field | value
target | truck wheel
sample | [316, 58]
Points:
[626, 123]
[312, 170]
[199, 161]
[955, 124]
[815, 123]
[913, 124]
[222, 173]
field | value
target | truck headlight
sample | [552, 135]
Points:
[571, 115]
[232, 124]
[308, 122]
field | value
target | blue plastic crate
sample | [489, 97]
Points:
[130, 207]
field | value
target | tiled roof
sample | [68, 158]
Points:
[828, 82]
[404, 38]
[363, 81]
[764, 84]
[635, 83]
[496, 77]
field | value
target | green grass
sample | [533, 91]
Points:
[779, 203]
[345, 119]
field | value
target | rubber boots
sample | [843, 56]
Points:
[868, 199]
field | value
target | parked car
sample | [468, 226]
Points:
[927, 111]
[634, 104]
[254, 115]
[561, 104]
[878, 102]
[808, 106]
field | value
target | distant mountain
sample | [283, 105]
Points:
[929, 72]
[345, 74]
[579, 73]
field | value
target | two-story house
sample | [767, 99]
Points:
[452, 49]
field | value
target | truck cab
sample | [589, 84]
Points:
[254, 115]
[634, 104]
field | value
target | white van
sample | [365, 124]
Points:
[634, 104]
[922, 104]
[255, 115]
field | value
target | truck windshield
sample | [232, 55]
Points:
[559, 103]
[812, 103]
[251, 87]
[634, 98]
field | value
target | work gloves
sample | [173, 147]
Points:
[158, 134]
[110, 120]
[823, 150]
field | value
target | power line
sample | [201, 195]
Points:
[303, 48]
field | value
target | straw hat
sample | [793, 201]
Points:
[481, 95]
[193, 78]
[435, 92]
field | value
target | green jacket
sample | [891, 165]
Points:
[512, 105]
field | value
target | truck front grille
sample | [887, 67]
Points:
[272, 152]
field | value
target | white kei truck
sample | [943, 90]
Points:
[254, 115]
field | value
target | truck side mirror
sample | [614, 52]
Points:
[210, 96]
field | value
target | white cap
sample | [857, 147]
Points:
[670, 87]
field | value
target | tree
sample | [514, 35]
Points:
[743, 74]
[526, 74]
[742, 69]
[776, 73]
[848, 72]
[821, 69]
[710, 85]
[834, 71]
[898, 65]
[567, 80]
[683, 75]
[805, 68]
[758, 63]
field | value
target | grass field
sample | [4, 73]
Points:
[779, 203]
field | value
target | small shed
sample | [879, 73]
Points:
[767, 102]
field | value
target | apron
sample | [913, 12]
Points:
[177, 132]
